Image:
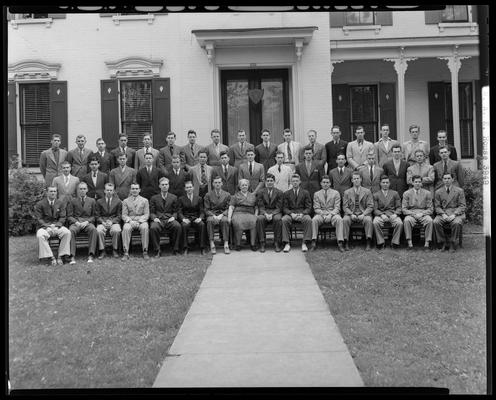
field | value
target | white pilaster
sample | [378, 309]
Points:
[331, 69]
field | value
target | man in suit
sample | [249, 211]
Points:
[449, 202]
[327, 208]
[190, 151]
[371, 174]
[135, 214]
[237, 152]
[387, 208]
[265, 152]
[216, 205]
[341, 175]
[252, 171]
[311, 171]
[95, 180]
[334, 147]
[384, 146]
[168, 151]
[148, 177]
[177, 176]
[50, 214]
[395, 169]
[81, 216]
[281, 172]
[446, 164]
[103, 156]
[191, 215]
[201, 175]
[417, 208]
[123, 149]
[318, 149]
[422, 168]
[290, 149]
[357, 150]
[139, 159]
[66, 184]
[122, 177]
[434, 156]
[51, 160]
[78, 157]
[164, 214]
[269, 200]
[227, 172]
[108, 218]
[215, 148]
[296, 208]
[410, 146]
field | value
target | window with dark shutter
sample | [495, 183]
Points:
[454, 14]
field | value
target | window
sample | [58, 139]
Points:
[360, 18]
[363, 101]
[466, 117]
[455, 14]
[26, 16]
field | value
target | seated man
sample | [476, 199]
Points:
[108, 217]
[387, 208]
[82, 216]
[358, 205]
[50, 213]
[269, 211]
[417, 209]
[191, 215]
[449, 202]
[216, 203]
[296, 208]
[327, 208]
[135, 214]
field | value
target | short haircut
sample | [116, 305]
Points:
[359, 127]
[286, 130]
[215, 130]
[223, 153]
[356, 173]
[396, 146]
[416, 177]
[336, 127]
[250, 150]
[340, 154]
[162, 179]
[122, 135]
[122, 155]
[383, 125]
[270, 176]
[241, 131]
[280, 153]
[65, 162]
[93, 158]
[56, 135]
[444, 147]
[217, 177]
[371, 153]
[307, 148]
[191, 132]
[413, 126]
[203, 151]
[80, 136]
[171, 133]
[99, 140]
[442, 131]
[110, 185]
[384, 177]
[312, 130]
[134, 184]
[188, 181]
[176, 157]
[265, 130]
[419, 151]
[147, 134]
[324, 177]
[147, 154]
[448, 173]
[82, 183]
[295, 176]
[51, 187]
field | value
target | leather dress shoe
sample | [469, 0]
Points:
[185, 252]
[277, 248]
[340, 247]
[262, 247]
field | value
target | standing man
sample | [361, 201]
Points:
[66, 184]
[177, 176]
[395, 169]
[191, 215]
[139, 159]
[50, 214]
[447, 165]
[311, 171]
[215, 148]
[341, 175]
[334, 147]
[290, 149]
[252, 171]
[434, 156]
[227, 172]
[423, 169]
[122, 177]
[269, 211]
[148, 177]
[135, 214]
[201, 175]
[319, 152]
[387, 208]
[265, 152]
[108, 218]
[167, 152]
[384, 146]
[411, 146]
[78, 157]
[371, 174]
[237, 152]
[103, 156]
[95, 180]
[281, 172]
[357, 150]
[216, 203]
[51, 160]
[190, 151]
[123, 149]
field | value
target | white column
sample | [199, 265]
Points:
[298, 134]
[332, 70]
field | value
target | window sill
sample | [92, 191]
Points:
[457, 25]
[348, 28]
[30, 21]
[118, 18]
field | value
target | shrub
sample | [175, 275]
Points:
[473, 196]
[25, 190]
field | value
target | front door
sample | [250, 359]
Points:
[253, 100]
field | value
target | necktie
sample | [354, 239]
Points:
[190, 199]
[279, 168]
[251, 169]
[225, 170]
[94, 174]
[371, 174]
[445, 170]
[325, 196]
[82, 201]
[164, 198]
[149, 170]
[192, 151]
[267, 146]
[447, 190]
[313, 148]
[66, 180]
[270, 195]
[290, 156]
[386, 144]
[296, 193]
[103, 154]
[171, 149]
[308, 167]
[341, 171]
[203, 176]
[217, 149]
[177, 172]
[242, 148]
[357, 203]
[82, 153]
[51, 206]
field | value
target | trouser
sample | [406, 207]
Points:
[410, 221]
[366, 223]
[238, 233]
[440, 224]
[115, 232]
[199, 227]
[395, 222]
[92, 236]
[223, 226]
[335, 221]
[287, 222]
[173, 228]
[127, 230]
[262, 225]
[44, 249]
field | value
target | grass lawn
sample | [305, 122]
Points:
[103, 325]
[410, 319]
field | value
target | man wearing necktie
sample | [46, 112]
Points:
[51, 160]
[135, 214]
[216, 203]
[396, 170]
[201, 174]
[139, 159]
[357, 150]
[270, 211]
[148, 177]
[371, 173]
[66, 184]
[191, 151]
[168, 151]
[318, 150]
[334, 147]
[215, 149]
[310, 171]
[281, 172]
[103, 156]
[252, 171]
[384, 146]
[191, 215]
[265, 152]
[447, 165]
[227, 172]
[78, 157]
[237, 152]
[290, 149]
[108, 218]
[95, 180]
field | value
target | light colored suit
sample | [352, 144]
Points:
[413, 204]
[375, 184]
[135, 209]
[452, 203]
[295, 148]
[238, 156]
[409, 149]
[327, 209]
[454, 167]
[213, 153]
[426, 171]
[77, 212]
[79, 162]
[385, 153]
[390, 207]
[65, 191]
[139, 158]
[365, 208]
[256, 178]
[122, 180]
[195, 172]
[49, 167]
[357, 155]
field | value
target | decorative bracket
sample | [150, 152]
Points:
[210, 49]
[332, 64]
[401, 63]
[454, 61]
[299, 48]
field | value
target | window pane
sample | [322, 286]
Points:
[272, 108]
[237, 108]
[364, 110]
[367, 17]
[455, 14]
[360, 18]
[136, 110]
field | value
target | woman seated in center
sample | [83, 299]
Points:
[243, 213]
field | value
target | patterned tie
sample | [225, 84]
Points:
[94, 174]
[225, 170]
[192, 151]
[66, 180]
[242, 148]
[290, 156]
[357, 204]
[108, 203]
[51, 206]
[203, 176]
[171, 149]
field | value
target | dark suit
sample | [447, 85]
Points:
[434, 156]
[165, 156]
[238, 156]
[397, 180]
[310, 182]
[365, 208]
[149, 181]
[264, 156]
[105, 161]
[105, 213]
[192, 210]
[188, 156]
[130, 154]
[332, 150]
[122, 180]
[375, 184]
[98, 191]
[453, 167]
[389, 206]
[176, 182]
[451, 204]
[214, 206]
[256, 178]
[300, 204]
[341, 182]
[77, 212]
[213, 157]
[163, 210]
[272, 205]
[229, 182]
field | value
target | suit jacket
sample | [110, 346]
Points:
[149, 181]
[452, 203]
[387, 205]
[122, 180]
[455, 167]
[426, 171]
[229, 182]
[409, 149]
[213, 157]
[76, 212]
[413, 204]
[190, 209]
[269, 205]
[264, 156]
[301, 204]
[105, 161]
[295, 151]
[130, 154]
[104, 212]
[45, 216]
[397, 180]
[189, 157]
[163, 211]
[332, 150]
[135, 209]
[215, 205]
[139, 158]
[195, 172]
[63, 191]
[357, 157]
[375, 184]
[98, 191]
[384, 155]
[310, 182]
[79, 164]
[165, 156]
[434, 156]
[365, 201]
[331, 204]
[176, 182]
[319, 153]
[236, 156]
[257, 177]
[49, 167]
[341, 183]
[283, 178]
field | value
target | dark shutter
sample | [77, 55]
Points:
[56, 16]
[387, 104]
[437, 110]
[110, 112]
[433, 17]
[161, 111]
[341, 110]
[478, 118]
[384, 18]
[474, 13]
[58, 110]
[337, 19]
[12, 121]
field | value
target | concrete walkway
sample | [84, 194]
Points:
[258, 320]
